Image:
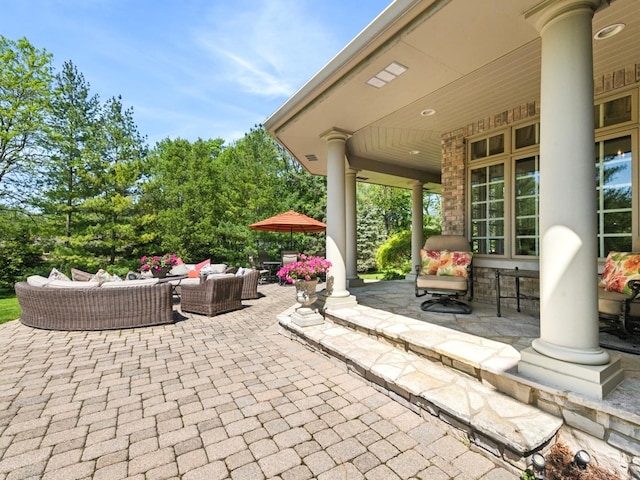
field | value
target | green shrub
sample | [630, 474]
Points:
[395, 253]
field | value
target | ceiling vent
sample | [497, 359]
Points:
[384, 76]
[311, 157]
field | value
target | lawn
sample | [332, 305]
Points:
[371, 276]
[9, 308]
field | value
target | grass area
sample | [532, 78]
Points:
[9, 308]
[372, 276]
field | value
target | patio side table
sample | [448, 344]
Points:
[517, 274]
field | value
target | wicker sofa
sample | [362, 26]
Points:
[90, 306]
[213, 296]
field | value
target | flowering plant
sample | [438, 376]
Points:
[157, 263]
[307, 267]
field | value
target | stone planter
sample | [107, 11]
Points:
[306, 292]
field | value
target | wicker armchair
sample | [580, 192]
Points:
[250, 284]
[99, 308]
[213, 296]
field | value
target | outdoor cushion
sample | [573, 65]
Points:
[430, 261]
[454, 264]
[40, 281]
[201, 265]
[80, 276]
[619, 268]
[37, 280]
[58, 275]
[131, 283]
[182, 269]
[441, 282]
[215, 268]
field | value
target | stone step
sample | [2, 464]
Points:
[507, 428]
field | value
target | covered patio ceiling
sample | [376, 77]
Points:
[466, 60]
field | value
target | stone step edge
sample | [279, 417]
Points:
[505, 378]
[502, 361]
[512, 445]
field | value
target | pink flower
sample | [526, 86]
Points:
[307, 267]
[157, 263]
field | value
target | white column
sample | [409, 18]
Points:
[351, 228]
[567, 353]
[417, 226]
[337, 294]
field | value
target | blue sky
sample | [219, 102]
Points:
[192, 68]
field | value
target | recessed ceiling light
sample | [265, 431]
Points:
[414, 152]
[609, 31]
[428, 112]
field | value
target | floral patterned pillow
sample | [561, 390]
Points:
[430, 261]
[56, 274]
[454, 264]
[619, 268]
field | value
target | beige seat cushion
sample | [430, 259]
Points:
[610, 303]
[438, 282]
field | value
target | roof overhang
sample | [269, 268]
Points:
[465, 60]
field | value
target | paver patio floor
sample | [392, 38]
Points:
[208, 398]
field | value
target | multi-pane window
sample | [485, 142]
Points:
[527, 191]
[487, 209]
[504, 172]
[614, 190]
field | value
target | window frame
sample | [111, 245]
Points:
[608, 133]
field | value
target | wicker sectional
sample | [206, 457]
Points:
[98, 308]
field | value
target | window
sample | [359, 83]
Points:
[504, 188]
[614, 190]
[487, 147]
[527, 190]
[526, 136]
[613, 112]
[487, 209]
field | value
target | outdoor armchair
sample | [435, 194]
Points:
[213, 296]
[445, 274]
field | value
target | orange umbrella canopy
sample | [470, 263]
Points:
[289, 222]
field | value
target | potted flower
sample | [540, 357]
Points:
[304, 274]
[158, 265]
[308, 267]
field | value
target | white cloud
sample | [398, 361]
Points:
[267, 48]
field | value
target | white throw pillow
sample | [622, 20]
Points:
[240, 272]
[37, 281]
[215, 268]
[182, 269]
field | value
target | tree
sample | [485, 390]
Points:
[181, 198]
[110, 217]
[70, 143]
[25, 79]
[370, 236]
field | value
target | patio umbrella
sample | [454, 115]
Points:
[289, 222]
